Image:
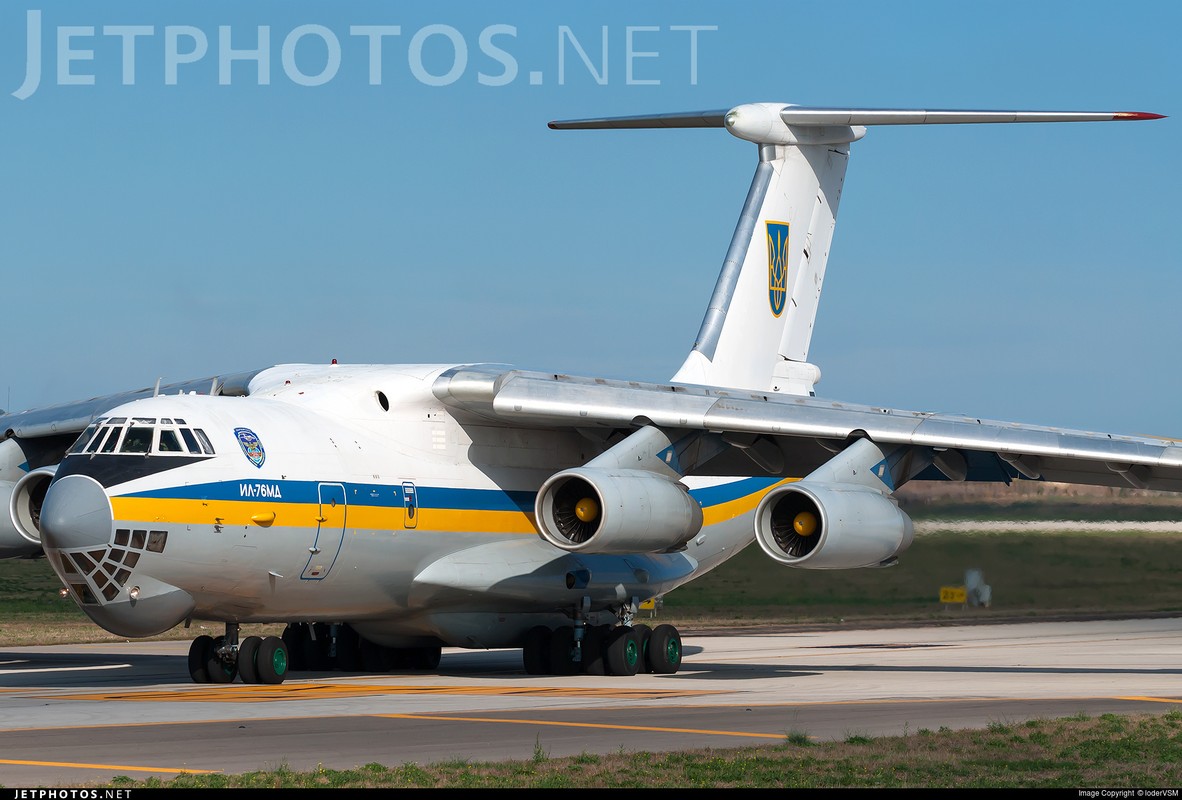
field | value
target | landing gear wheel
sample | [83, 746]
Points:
[562, 644]
[375, 657]
[348, 649]
[199, 652]
[643, 634]
[293, 636]
[535, 651]
[271, 661]
[595, 649]
[664, 650]
[622, 652]
[425, 658]
[247, 650]
[219, 669]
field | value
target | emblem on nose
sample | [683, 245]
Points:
[76, 513]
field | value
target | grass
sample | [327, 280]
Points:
[1031, 575]
[1110, 751]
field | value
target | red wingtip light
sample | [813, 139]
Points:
[1137, 115]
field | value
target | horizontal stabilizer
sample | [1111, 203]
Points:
[759, 122]
[686, 119]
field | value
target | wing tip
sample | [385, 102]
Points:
[1133, 115]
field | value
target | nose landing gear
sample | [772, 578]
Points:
[255, 659]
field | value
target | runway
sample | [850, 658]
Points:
[74, 714]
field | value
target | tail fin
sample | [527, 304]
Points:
[759, 323]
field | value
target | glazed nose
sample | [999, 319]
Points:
[76, 513]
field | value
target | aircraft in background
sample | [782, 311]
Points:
[384, 512]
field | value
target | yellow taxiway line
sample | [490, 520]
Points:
[120, 767]
[326, 691]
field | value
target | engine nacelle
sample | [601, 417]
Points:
[20, 533]
[620, 511]
[24, 504]
[831, 526]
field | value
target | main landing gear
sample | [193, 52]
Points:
[601, 650]
[311, 647]
[254, 659]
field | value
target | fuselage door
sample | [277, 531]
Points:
[410, 505]
[330, 532]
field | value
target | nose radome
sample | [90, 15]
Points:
[76, 513]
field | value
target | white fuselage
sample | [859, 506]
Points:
[350, 494]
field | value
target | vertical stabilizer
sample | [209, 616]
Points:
[759, 323]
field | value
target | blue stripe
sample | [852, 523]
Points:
[387, 496]
[724, 493]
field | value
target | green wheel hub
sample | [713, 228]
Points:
[631, 652]
[673, 651]
[279, 661]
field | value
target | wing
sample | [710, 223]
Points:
[792, 435]
[72, 418]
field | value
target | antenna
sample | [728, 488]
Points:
[156, 391]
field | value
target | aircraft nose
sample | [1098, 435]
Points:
[76, 513]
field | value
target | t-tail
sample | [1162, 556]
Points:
[759, 323]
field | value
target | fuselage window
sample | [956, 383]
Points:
[169, 443]
[82, 440]
[137, 440]
[205, 444]
[190, 441]
[112, 440]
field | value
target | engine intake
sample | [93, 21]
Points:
[20, 529]
[616, 511]
[831, 526]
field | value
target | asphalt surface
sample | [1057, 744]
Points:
[76, 714]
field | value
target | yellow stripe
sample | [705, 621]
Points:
[120, 767]
[320, 691]
[360, 518]
[712, 515]
[1153, 699]
[585, 725]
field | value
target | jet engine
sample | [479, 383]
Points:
[831, 526]
[24, 508]
[620, 511]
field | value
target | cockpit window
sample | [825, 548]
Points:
[205, 444]
[142, 435]
[79, 445]
[190, 441]
[112, 440]
[137, 440]
[169, 443]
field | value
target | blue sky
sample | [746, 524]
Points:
[186, 228]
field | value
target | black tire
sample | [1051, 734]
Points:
[622, 654]
[535, 651]
[199, 652]
[293, 636]
[348, 649]
[562, 642]
[375, 657]
[643, 634]
[220, 670]
[424, 658]
[248, 648]
[271, 661]
[664, 650]
[594, 649]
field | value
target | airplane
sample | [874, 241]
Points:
[383, 512]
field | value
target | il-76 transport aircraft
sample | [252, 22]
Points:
[384, 512]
